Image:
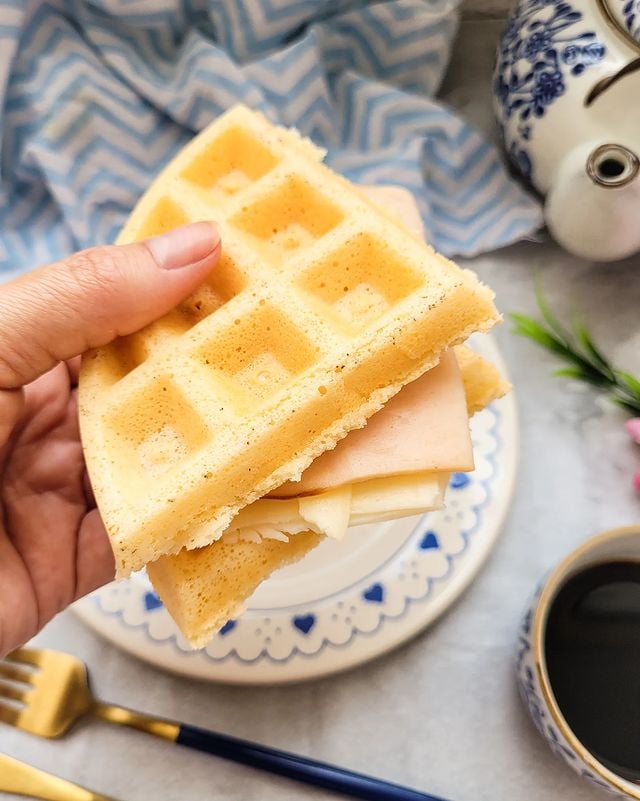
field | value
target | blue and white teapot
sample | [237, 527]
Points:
[567, 96]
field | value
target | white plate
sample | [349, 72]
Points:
[347, 601]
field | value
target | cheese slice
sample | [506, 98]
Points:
[399, 496]
[328, 513]
[331, 513]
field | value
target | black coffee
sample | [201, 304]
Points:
[592, 643]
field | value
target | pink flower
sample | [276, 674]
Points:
[633, 428]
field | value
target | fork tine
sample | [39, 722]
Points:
[9, 715]
[13, 693]
[14, 673]
[30, 656]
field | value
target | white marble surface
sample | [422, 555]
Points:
[441, 713]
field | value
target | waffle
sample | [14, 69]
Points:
[204, 588]
[321, 308]
[481, 380]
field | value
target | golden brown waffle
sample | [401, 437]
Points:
[482, 380]
[204, 588]
[320, 309]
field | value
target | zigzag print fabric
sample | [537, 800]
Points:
[97, 95]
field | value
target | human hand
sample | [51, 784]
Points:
[53, 545]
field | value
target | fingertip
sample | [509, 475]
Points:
[187, 246]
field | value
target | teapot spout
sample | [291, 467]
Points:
[593, 208]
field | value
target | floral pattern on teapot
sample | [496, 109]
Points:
[628, 12]
[540, 49]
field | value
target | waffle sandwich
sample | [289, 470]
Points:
[204, 588]
[322, 307]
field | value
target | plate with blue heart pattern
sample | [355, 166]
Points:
[346, 602]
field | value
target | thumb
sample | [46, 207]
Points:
[89, 299]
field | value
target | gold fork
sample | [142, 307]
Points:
[50, 692]
[21, 779]
[46, 692]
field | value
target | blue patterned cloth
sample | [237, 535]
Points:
[96, 95]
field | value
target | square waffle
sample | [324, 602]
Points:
[321, 308]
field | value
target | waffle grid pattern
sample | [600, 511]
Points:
[320, 309]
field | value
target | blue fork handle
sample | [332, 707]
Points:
[303, 769]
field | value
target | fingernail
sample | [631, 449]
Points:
[185, 246]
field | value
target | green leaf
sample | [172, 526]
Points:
[580, 374]
[526, 323]
[528, 327]
[571, 372]
[629, 381]
[549, 317]
[627, 405]
[586, 362]
[594, 354]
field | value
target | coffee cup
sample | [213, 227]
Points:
[577, 661]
